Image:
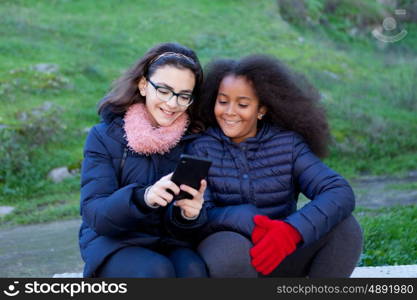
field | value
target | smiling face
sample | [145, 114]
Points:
[178, 80]
[237, 108]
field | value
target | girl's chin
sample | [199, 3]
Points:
[229, 133]
[163, 122]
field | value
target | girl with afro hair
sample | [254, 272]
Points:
[266, 135]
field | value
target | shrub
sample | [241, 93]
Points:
[36, 79]
[20, 142]
[344, 18]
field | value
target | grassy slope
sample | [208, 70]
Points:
[366, 90]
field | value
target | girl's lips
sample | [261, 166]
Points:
[229, 122]
[168, 113]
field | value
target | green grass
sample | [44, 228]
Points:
[44, 208]
[390, 235]
[368, 91]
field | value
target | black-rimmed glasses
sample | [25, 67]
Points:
[166, 94]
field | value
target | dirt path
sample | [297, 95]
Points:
[375, 192]
[40, 250]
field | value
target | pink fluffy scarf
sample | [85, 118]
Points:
[143, 138]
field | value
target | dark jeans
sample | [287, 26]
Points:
[140, 262]
[335, 255]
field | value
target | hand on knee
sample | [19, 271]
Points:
[273, 241]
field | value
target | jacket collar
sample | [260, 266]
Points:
[107, 114]
[116, 131]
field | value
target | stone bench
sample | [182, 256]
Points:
[405, 271]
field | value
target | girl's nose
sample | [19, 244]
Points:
[172, 102]
[230, 109]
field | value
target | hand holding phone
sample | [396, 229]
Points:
[190, 171]
[190, 208]
[161, 192]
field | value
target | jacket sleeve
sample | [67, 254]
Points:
[181, 228]
[237, 218]
[105, 207]
[332, 197]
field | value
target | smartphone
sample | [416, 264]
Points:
[190, 171]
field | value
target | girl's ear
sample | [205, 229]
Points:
[261, 112]
[142, 86]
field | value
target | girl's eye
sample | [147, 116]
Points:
[243, 105]
[164, 91]
[185, 97]
[221, 101]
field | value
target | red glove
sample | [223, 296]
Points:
[274, 240]
[259, 231]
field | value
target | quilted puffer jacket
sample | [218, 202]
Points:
[265, 175]
[113, 209]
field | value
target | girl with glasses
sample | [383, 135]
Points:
[265, 138]
[130, 226]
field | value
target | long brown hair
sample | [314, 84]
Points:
[125, 92]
